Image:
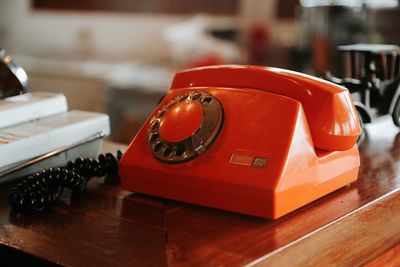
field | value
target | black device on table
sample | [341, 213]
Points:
[372, 75]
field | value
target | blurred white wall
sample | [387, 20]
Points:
[82, 34]
[109, 35]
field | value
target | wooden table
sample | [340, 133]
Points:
[106, 226]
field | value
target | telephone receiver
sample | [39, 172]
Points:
[255, 140]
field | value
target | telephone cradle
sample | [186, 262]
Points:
[254, 140]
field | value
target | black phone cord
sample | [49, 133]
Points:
[40, 190]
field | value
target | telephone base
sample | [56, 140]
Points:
[292, 172]
[241, 205]
[300, 199]
[257, 141]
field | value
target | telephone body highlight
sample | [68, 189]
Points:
[254, 140]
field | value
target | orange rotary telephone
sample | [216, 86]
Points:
[255, 140]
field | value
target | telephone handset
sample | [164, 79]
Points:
[255, 140]
[330, 113]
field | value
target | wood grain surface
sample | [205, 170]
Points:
[107, 226]
[389, 258]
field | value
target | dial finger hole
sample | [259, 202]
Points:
[152, 120]
[153, 138]
[180, 150]
[195, 96]
[158, 147]
[154, 125]
[167, 151]
[161, 113]
[206, 100]
[182, 97]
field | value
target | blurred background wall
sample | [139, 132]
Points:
[110, 35]
[114, 36]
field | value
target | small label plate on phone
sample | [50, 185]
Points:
[248, 160]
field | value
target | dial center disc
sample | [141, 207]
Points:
[181, 121]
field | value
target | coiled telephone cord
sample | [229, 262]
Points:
[40, 190]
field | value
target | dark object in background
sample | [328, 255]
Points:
[372, 75]
[324, 26]
[258, 41]
[227, 7]
[13, 78]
